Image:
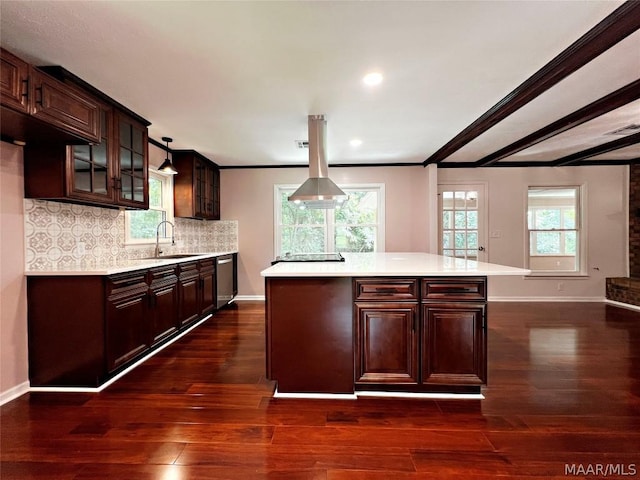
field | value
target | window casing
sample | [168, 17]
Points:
[356, 226]
[141, 225]
[555, 238]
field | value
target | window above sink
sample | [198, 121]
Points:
[140, 226]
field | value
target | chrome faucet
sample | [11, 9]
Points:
[173, 239]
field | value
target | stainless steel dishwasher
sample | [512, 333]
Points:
[225, 279]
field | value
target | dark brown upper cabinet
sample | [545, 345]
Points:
[196, 187]
[14, 82]
[111, 172]
[38, 107]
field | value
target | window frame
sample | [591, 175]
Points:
[580, 229]
[167, 199]
[329, 223]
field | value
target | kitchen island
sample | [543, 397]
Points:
[378, 323]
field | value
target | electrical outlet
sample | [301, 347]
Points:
[80, 248]
[561, 286]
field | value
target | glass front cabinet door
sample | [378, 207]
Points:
[91, 169]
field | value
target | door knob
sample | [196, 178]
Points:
[481, 249]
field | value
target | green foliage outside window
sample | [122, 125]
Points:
[356, 222]
[353, 226]
[143, 223]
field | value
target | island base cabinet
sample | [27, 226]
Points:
[454, 344]
[310, 334]
[387, 343]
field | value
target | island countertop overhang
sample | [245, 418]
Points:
[391, 264]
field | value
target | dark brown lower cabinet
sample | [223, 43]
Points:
[387, 342]
[163, 302]
[408, 334]
[309, 323]
[85, 329]
[189, 293]
[207, 285]
[127, 322]
[66, 330]
[197, 290]
[440, 344]
[454, 343]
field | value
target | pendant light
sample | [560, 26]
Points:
[167, 166]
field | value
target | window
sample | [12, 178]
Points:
[554, 225]
[356, 226]
[141, 225]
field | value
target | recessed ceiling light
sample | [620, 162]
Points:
[373, 78]
[356, 142]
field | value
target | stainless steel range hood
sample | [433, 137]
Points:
[318, 191]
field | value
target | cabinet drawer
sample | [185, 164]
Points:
[127, 283]
[162, 276]
[464, 288]
[386, 289]
[189, 270]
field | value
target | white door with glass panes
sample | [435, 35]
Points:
[462, 223]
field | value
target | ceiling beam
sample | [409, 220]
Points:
[597, 150]
[545, 163]
[614, 28]
[619, 98]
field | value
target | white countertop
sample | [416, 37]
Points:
[390, 264]
[122, 266]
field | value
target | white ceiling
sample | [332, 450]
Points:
[236, 80]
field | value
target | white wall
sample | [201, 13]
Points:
[606, 225]
[247, 196]
[14, 375]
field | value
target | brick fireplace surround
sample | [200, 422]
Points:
[627, 289]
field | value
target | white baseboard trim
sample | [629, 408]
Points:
[622, 305]
[123, 372]
[13, 393]
[247, 298]
[432, 396]
[546, 299]
[356, 395]
[254, 298]
[321, 396]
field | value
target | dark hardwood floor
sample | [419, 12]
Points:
[563, 400]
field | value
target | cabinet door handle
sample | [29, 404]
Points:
[25, 88]
[39, 97]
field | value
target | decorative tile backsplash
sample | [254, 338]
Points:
[61, 235]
